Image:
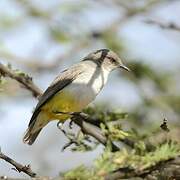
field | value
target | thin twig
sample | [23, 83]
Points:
[25, 80]
[90, 129]
[18, 167]
[35, 178]
[169, 25]
[68, 136]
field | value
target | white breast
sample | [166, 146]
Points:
[87, 85]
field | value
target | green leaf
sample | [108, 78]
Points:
[80, 173]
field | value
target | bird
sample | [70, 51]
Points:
[72, 90]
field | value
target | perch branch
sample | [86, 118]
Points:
[88, 128]
[18, 167]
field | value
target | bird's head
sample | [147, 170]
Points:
[106, 59]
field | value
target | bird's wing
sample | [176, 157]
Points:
[61, 81]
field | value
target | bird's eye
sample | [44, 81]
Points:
[112, 59]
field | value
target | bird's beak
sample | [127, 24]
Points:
[125, 68]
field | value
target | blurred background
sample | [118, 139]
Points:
[42, 38]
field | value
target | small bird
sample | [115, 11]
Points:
[73, 90]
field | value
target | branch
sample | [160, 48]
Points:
[81, 119]
[91, 130]
[25, 80]
[9, 178]
[168, 169]
[18, 167]
[170, 25]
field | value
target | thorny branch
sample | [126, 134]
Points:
[18, 167]
[74, 139]
[26, 81]
[92, 130]
[90, 126]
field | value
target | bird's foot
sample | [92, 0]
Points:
[71, 124]
[60, 126]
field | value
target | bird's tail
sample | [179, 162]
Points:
[35, 128]
[30, 137]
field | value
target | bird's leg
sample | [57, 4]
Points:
[70, 124]
[68, 113]
[81, 115]
[60, 126]
[69, 136]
